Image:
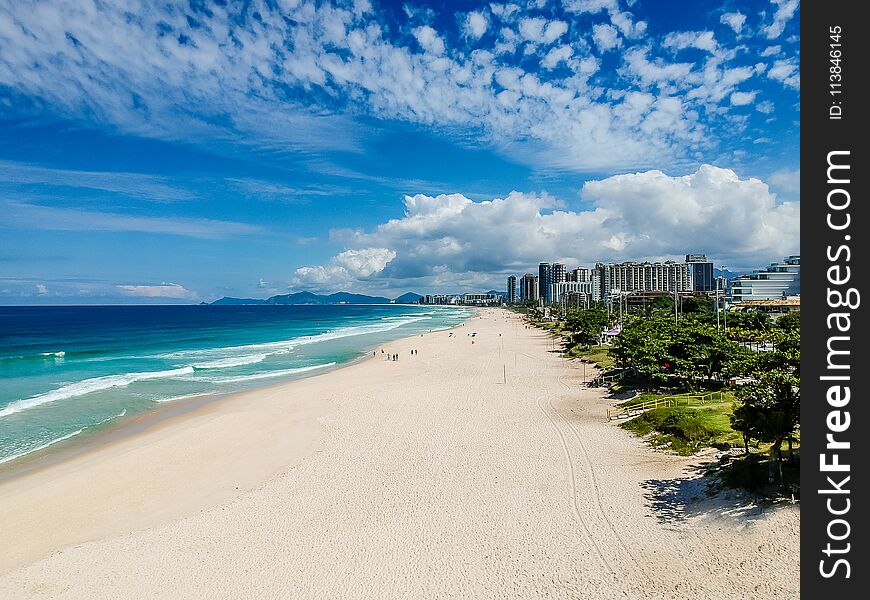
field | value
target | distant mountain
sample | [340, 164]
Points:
[303, 298]
[227, 301]
[729, 274]
[408, 298]
[495, 293]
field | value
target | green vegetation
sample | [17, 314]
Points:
[687, 429]
[599, 355]
[694, 355]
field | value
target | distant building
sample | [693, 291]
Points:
[545, 278]
[775, 282]
[529, 288]
[512, 289]
[558, 291]
[775, 308]
[481, 299]
[571, 300]
[559, 273]
[440, 299]
[578, 274]
[701, 271]
[643, 277]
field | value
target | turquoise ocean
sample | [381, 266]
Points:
[70, 372]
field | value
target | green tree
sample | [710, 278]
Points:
[586, 325]
[769, 410]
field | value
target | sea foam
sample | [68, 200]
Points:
[86, 386]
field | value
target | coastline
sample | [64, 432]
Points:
[480, 468]
[138, 432]
[60, 450]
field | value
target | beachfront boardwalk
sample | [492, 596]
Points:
[481, 470]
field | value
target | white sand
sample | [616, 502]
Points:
[423, 478]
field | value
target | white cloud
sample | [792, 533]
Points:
[33, 216]
[429, 39]
[734, 20]
[766, 107]
[41, 289]
[556, 55]
[163, 290]
[606, 37]
[554, 30]
[743, 98]
[344, 269]
[680, 40]
[771, 51]
[591, 6]
[259, 81]
[476, 24]
[137, 185]
[539, 31]
[785, 10]
[626, 24]
[786, 71]
[448, 238]
[787, 180]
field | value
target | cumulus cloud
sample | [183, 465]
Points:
[163, 290]
[766, 107]
[298, 74]
[734, 20]
[787, 180]
[785, 10]
[429, 39]
[606, 37]
[476, 24]
[344, 269]
[743, 98]
[680, 40]
[557, 55]
[450, 238]
[787, 72]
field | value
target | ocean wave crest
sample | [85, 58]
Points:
[86, 386]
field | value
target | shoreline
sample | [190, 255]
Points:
[123, 427]
[479, 468]
[139, 432]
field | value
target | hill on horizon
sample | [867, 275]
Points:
[309, 298]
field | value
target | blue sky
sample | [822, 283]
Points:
[182, 151]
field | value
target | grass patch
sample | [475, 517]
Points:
[687, 429]
[599, 355]
[727, 396]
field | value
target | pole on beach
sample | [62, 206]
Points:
[504, 374]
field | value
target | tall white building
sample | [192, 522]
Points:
[559, 290]
[643, 277]
[775, 282]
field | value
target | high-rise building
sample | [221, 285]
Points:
[642, 277]
[559, 274]
[775, 282]
[578, 274]
[702, 272]
[512, 289]
[545, 278]
[558, 291]
[529, 288]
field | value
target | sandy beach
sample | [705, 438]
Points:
[478, 468]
